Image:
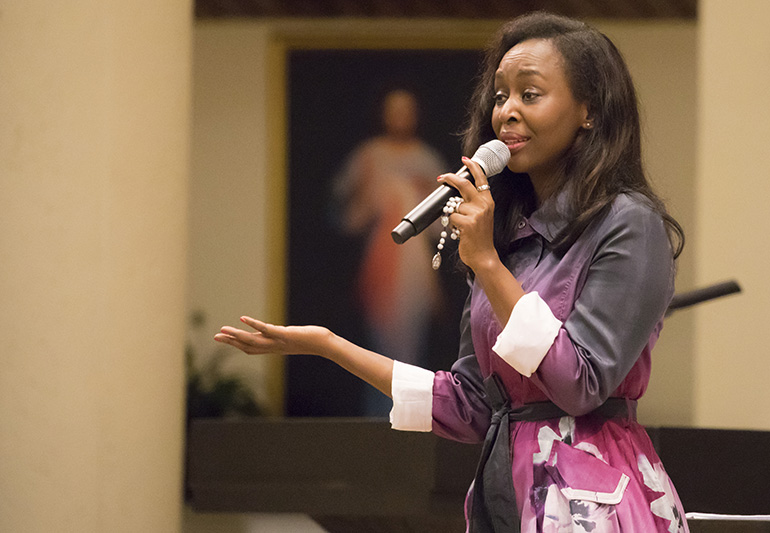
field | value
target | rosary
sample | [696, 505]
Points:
[451, 206]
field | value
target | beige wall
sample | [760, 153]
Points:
[237, 70]
[229, 200]
[94, 144]
[733, 221]
[662, 59]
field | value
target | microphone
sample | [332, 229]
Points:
[492, 156]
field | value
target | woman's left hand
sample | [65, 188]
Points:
[474, 218]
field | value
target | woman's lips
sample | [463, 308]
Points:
[514, 142]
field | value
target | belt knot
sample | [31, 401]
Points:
[493, 507]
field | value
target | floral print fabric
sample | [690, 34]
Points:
[580, 484]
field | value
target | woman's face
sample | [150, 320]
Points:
[534, 113]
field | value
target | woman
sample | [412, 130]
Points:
[571, 265]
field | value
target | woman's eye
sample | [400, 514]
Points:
[500, 98]
[529, 96]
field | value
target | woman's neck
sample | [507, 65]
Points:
[544, 187]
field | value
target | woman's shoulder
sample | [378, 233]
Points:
[629, 216]
[633, 218]
[632, 207]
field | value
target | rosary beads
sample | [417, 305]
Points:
[452, 206]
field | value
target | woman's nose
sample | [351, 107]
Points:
[510, 111]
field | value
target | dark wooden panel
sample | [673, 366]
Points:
[625, 9]
[324, 466]
[717, 470]
[359, 475]
[728, 526]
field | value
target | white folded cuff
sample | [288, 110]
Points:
[528, 335]
[412, 390]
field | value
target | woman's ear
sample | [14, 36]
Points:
[588, 121]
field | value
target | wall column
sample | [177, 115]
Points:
[733, 224]
[94, 134]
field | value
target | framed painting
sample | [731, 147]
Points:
[370, 122]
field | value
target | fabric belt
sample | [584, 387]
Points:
[493, 507]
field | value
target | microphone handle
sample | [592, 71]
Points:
[423, 215]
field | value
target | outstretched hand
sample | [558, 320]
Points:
[373, 368]
[272, 339]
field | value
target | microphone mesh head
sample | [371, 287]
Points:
[492, 156]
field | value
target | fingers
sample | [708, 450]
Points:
[467, 189]
[464, 186]
[478, 175]
[232, 341]
[262, 341]
[230, 335]
[256, 324]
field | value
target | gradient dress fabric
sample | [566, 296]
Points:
[609, 292]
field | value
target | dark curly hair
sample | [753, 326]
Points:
[604, 161]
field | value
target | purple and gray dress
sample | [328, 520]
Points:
[582, 335]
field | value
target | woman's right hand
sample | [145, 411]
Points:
[272, 339]
[372, 367]
[476, 220]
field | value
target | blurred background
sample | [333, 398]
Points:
[151, 161]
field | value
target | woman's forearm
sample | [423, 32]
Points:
[375, 369]
[503, 290]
